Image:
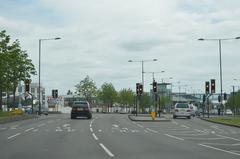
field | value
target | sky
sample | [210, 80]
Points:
[98, 37]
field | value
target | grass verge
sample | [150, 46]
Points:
[226, 120]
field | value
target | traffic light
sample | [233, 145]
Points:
[140, 89]
[225, 96]
[55, 93]
[137, 88]
[27, 85]
[213, 86]
[207, 87]
[154, 86]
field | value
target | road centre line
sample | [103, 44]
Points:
[29, 129]
[178, 138]
[106, 150]
[95, 137]
[228, 137]
[91, 129]
[14, 135]
[220, 149]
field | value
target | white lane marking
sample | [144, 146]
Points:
[219, 149]
[152, 130]
[99, 130]
[213, 132]
[145, 131]
[184, 126]
[106, 150]
[29, 129]
[91, 129]
[66, 125]
[214, 138]
[200, 131]
[115, 125]
[95, 137]
[35, 130]
[183, 135]
[14, 135]
[90, 125]
[141, 126]
[41, 125]
[178, 138]
[228, 137]
[3, 128]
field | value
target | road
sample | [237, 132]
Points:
[115, 136]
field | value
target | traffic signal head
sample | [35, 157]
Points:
[207, 87]
[225, 96]
[154, 87]
[55, 93]
[27, 85]
[137, 88]
[140, 89]
[213, 86]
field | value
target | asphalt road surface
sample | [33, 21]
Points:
[115, 136]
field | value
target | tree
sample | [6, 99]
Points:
[126, 97]
[87, 88]
[234, 102]
[145, 101]
[107, 94]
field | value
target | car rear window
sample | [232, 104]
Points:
[182, 105]
[80, 104]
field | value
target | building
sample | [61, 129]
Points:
[20, 91]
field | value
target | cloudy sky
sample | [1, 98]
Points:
[98, 37]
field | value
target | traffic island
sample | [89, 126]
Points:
[148, 118]
[228, 121]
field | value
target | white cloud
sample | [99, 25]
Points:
[100, 36]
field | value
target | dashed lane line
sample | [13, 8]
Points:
[178, 138]
[94, 136]
[29, 129]
[10, 137]
[211, 147]
[91, 129]
[106, 150]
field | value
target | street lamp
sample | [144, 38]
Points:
[142, 61]
[220, 58]
[39, 71]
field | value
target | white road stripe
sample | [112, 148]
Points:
[184, 126]
[35, 130]
[41, 125]
[219, 149]
[90, 125]
[14, 135]
[152, 130]
[178, 138]
[95, 137]
[229, 137]
[91, 129]
[29, 129]
[106, 150]
[141, 126]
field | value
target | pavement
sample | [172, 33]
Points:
[105, 136]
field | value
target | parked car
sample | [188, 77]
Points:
[81, 109]
[229, 112]
[182, 110]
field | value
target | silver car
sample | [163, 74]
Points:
[182, 110]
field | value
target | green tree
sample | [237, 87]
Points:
[107, 94]
[126, 97]
[87, 88]
[234, 102]
[145, 101]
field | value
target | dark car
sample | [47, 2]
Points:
[81, 109]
